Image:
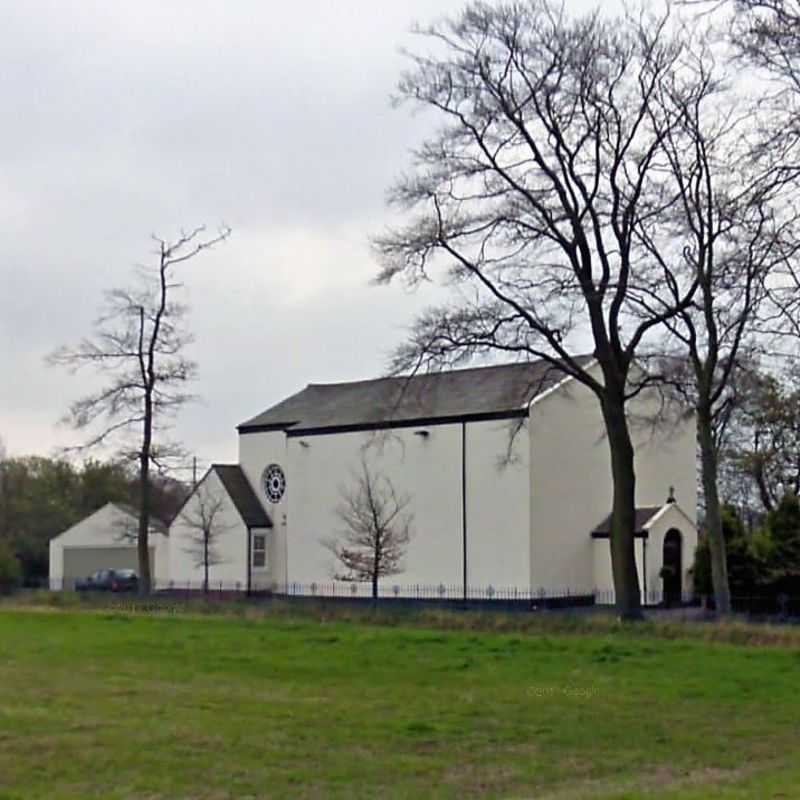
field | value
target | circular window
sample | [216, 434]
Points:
[274, 483]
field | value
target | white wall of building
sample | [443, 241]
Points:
[427, 469]
[528, 520]
[109, 526]
[498, 504]
[571, 486]
[603, 577]
[230, 544]
[649, 557]
[673, 517]
[257, 450]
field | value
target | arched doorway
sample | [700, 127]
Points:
[672, 568]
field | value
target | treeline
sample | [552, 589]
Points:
[42, 497]
[760, 483]
[759, 443]
[764, 563]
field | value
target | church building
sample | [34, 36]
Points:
[504, 472]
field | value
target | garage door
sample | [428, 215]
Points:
[82, 561]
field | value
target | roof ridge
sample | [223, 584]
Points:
[458, 370]
[467, 392]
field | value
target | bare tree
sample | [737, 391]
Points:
[377, 529]
[138, 343]
[765, 38]
[548, 163]
[204, 515]
[735, 231]
[767, 34]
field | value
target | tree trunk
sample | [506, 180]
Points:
[716, 540]
[143, 547]
[623, 511]
[761, 484]
[205, 562]
[376, 565]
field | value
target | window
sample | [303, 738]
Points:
[259, 550]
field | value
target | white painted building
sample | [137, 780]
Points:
[225, 508]
[507, 473]
[106, 540]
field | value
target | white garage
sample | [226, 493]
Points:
[106, 540]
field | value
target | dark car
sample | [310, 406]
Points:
[109, 580]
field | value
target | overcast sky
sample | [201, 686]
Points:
[119, 120]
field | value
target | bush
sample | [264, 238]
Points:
[783, 556]
[10, 568]
[744, 568]
[701, 571]
[764, 565]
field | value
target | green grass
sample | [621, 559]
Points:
[116, 705]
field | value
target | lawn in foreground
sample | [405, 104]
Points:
[116, 705]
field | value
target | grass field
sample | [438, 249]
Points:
[117, 705]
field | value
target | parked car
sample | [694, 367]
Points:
[109, 580]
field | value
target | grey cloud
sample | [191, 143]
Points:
[122, 119]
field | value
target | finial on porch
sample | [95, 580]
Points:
[671, 498]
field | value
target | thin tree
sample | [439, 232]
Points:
[734, 233]
[548, 161]
[377, 529]
[204, 516]
[139, 342]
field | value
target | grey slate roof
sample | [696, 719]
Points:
[241, 493]
[643, 515]
[479, 391]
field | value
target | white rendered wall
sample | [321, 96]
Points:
[427, 469]
[571, 487]
[256, 452]
[230, 543]
[603, 578]
[498, 505]
[109, 526]
[672, 518]
[649, 558]
[162, 568]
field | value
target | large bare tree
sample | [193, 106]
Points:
[548, 162]
[138, 346]
[376, 529]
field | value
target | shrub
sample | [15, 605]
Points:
[744, 557]
[783, 556]
[10, 568]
